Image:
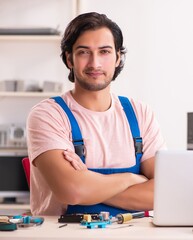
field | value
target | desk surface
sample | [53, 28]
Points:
[140, 229]
[14, 209]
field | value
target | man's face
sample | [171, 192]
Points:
[94, 59]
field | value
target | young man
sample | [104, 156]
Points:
[112, 178]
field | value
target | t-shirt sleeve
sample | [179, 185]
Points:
[48, 128]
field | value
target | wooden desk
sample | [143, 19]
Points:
[141, 229]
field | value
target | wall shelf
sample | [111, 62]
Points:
[30, 51]
[30, 37]
[29, 94]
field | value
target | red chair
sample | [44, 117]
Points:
[26, 167]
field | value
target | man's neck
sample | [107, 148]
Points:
[98, 101]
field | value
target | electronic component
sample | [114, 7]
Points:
[75, 218]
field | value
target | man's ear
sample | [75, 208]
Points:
[118, 58]
[69, 60]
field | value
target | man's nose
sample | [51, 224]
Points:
[95, 61]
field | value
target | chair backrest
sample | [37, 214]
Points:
[26, 167]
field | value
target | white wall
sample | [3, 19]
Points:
[159, 66]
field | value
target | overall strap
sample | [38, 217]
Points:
[131, 117]
[77, 136]
[76, 133]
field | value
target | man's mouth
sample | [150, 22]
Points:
[94, 74]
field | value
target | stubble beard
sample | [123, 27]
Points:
[93, 86]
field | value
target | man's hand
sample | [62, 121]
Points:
[139, 196]
[75, 160]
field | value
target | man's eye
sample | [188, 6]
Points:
[83, 52]
[104, 51]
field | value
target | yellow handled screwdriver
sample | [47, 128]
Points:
[122, 218]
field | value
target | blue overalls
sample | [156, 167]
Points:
[79, 149]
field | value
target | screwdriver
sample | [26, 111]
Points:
[122, 218]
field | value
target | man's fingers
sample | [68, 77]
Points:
[74, 159]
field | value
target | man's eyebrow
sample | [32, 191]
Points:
[86, 47]
[82, 46]
[107, 46]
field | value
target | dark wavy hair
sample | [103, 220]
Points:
[91, 21]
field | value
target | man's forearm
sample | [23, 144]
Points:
[79, 187]
[92, 187]
[136, 197]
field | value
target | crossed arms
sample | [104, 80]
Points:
[72, 183]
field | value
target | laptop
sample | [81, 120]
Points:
[173, 194]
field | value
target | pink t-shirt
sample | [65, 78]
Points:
[107, 138]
